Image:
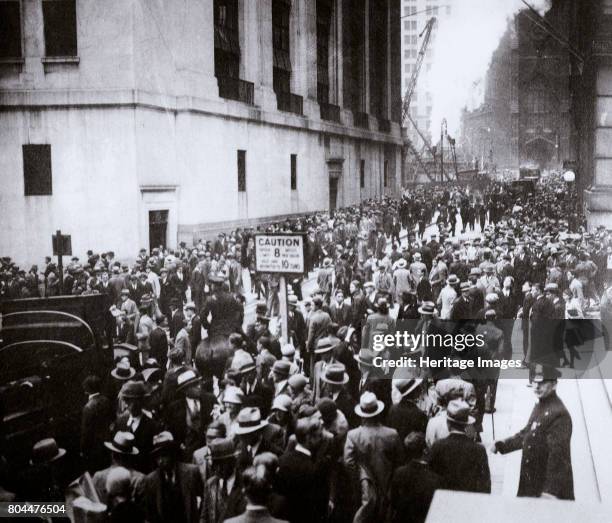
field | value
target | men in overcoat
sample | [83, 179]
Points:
[546, 464]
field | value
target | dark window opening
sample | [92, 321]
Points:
[227, 43]
[10, 30]
[60, 23]
[324, 17]
[241, 171]
[386, 173]
[354, 54]
[281, 12]
[294, 172]
[362, 174]
[37, 170]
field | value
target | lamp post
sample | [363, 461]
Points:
[569, 177]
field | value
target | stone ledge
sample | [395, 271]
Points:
[21, 99]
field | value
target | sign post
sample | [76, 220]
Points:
[62, 245]
[283, 254]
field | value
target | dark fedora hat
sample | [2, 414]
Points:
[46, 451]
[133, 390]
[221, 449]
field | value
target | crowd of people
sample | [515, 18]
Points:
[214, 420]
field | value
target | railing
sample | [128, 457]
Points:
[330, 112]
[290, 103]
[361, 120]
[384, 126]
[236, 89]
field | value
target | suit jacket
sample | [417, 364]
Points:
[257, 515]
[189, 487]
[176, 323]
[158, 344]
[143, 437]
[218, 506]
[462, 464]
[318, 322]
[376, 447]
[96, 419]
[406, 417]
[304, 486]
[462, 310]
[340, 314]
[412, 489]
[546, 463]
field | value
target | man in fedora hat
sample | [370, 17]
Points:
[250, 434]
[122, 452]
[41, 481]
[546, 463]
[402, 279]
[225, 311]
[280, 374]
[137, 421]
[324, 353]
[373, 451]
[223, 497]
[404, 415]
[172, 492]
[340, 311]
[448, 296]
[462, 308]
[318, 324]
[459, 460]
[190, 411]
[372, 378]
[96, 417]
[335, 380]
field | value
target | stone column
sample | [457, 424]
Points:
[598, 198]
[260, 63]
[303, 45]
[193, 43]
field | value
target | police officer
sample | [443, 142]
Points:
[546, 465]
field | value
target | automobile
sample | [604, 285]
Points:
[47, 347]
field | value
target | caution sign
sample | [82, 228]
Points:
[282, 253]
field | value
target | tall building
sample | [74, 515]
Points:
[135, 124]
[525, 117]
[415, 15]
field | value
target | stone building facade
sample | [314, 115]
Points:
[131, 124]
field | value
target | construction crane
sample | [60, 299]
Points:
[426, 35]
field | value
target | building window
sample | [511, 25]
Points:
[227, 43]
[59, 18]
[294, 172]
[241, 171]
[281, 12]
[413, 25]
[37, 170]
[414, 39]
[362, 174]
[386, 173]
[413, 10]
[10, 30]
